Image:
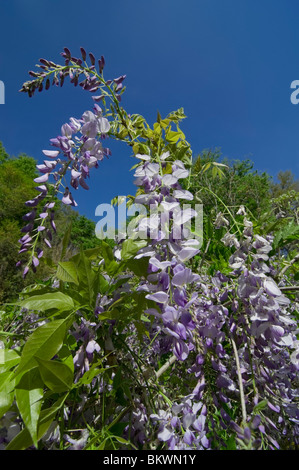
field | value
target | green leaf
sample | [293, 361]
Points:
[55, 300]
[287, 234]
[92, 253]
[86, 277]
[231, 443]
[66, 240]
[111, 265]
[29, 394]
[138, 266]
[173, 136]
[206, 166]
[90, 374]
[8, 359]
[44, 342]
[102, 284]
[67, 272]
[120, 439]
[56, 375]
[260, 406]
[7, 384]
[24, 440]
[109, 315]
[131, 247]
[66, 356]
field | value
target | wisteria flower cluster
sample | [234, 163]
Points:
[78, 149]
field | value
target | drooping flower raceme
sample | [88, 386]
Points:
[79, 150]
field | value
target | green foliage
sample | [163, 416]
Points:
[16, 186]
[3, 154]
[286, 182]
[237, 184]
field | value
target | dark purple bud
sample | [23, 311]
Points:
[27, 228]
[75, 183]
[83, 53]
[93, 89]
[40, 88]
[236, 427]
[44, 62]
[92, 58]
[97, 98]
[23, 250]
[47, 84]
[225, 415]
[67, 53]
[119, 79]
[29, 216]
[18, 264]
[77, 61]
[83, 183]
[101, 64]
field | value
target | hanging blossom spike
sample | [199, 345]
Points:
[79, 148]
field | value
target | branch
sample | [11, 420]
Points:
[242, 396]
[165, 366]
[296, 258]
[289, 288]
[204, 254]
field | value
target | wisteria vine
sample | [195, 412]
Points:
[226, 341]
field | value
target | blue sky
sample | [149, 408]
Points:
[229, 64]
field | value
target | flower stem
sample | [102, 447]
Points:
[242, 396]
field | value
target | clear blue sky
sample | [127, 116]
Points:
[229, 64]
